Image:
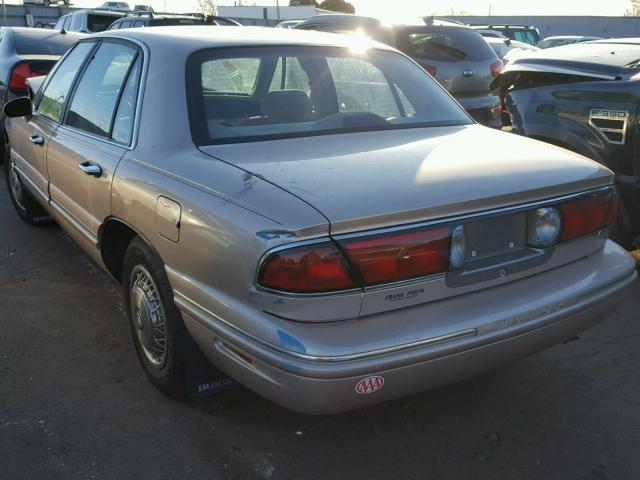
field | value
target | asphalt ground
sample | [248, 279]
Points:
[74, 403]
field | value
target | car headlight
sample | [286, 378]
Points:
[543, 227]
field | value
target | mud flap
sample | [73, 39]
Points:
[201, 377]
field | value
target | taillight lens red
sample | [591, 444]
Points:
[19, 76]
[587, 215]
[430, 69]
[496, 67]
[313, 268]
[400, 256]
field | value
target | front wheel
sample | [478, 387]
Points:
[157, 329]
[25, 205]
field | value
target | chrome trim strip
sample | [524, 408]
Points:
[197, 310]
[70, 218]
[34, 186]
[400, 228]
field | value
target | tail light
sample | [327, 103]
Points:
[430, 69]
[19, 76]
[309, 269]
[587, 215]
[496, 67]
[400, 256]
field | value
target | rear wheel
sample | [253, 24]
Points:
[157, 329]
[25, 205]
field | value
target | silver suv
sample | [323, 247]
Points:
[455, 55]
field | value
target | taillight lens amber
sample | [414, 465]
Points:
[307, 269]
[587, 215]
[400, 256]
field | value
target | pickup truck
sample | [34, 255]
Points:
[585, 98]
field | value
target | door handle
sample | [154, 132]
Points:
[36, 140]
[91, 169]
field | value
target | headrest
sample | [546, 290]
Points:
[291, 105]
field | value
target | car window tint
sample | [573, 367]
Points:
[138, 23]
[126, 24]
[123, 123]
[95, 98]
[55, 92]
[446, 44]
[288, 75]
[76, 23]
[232, 75]
[330, 90]
[67, 22]
[98, 23]
[39, 41]
[524, 36]
[369, 93]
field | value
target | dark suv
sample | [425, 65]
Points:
[456, 56]
[149, 19]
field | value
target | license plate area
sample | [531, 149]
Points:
[495, 236]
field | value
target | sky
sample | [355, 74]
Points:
[382, 8]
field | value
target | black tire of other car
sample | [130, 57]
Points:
[157, 329]
[25, 205]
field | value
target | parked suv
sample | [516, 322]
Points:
[26, 53]
[522, 33]
[456, 56]
[87, 21]
[149, 19]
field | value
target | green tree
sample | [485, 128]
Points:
[634, 11]
[338, 6]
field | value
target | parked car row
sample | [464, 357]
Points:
[314, 213]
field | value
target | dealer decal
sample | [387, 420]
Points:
[369, 385]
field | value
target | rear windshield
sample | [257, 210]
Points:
[99, 23]
[42, 42]
[444, 45]
[177, 21]
[278, 92]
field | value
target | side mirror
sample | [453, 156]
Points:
[18, 107]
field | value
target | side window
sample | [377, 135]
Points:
[289, 75]
[232, 75]
[126, 24]
[138, 23]
[94, 101]
[55, 93]
[123, 123]
[59, 23]
[114, 26]
[76, 22]
[371, 93]
[67, 22]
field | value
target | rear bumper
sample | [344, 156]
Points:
[317, 384]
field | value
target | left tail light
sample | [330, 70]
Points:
[19, 76]
[312, 268]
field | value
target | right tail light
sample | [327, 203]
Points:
[587, 215]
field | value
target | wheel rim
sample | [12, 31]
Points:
[148, 317]
[16, 186]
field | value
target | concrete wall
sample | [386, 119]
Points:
[606, 27]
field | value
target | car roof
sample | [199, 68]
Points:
[570, 37]
[341, 18]
[206, 36]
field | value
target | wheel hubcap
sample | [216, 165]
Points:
[16, 185]
[148, 316]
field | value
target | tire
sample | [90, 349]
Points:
[27, 207]
[157, 330]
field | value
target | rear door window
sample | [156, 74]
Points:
[55, 93]
[98, 23]
[98, 92]
[450, 44]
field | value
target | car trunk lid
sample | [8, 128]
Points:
[370, 180]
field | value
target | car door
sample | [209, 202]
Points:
[30, 135]
[95, 134]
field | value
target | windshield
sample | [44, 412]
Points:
[277, 92]
[448, 44]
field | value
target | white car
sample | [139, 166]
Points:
[115, 6]
[46, 3]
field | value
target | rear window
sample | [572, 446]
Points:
[99, 23]
[444, 45]
[267, 93]
[42, 42]
[177, 21]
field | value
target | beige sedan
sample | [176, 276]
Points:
[312, 211]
